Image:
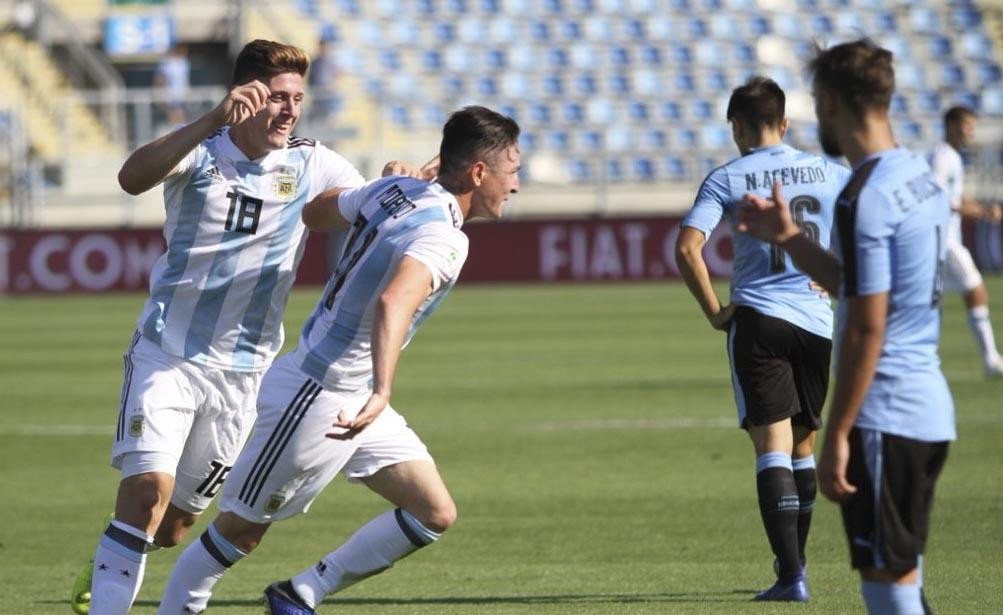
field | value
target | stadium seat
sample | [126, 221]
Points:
[539, 31]
[390, 60]
[570, 30]
[637, 111]
[821, 25]
[643, 169]
[647, 82]
[400, 115]
[987, 73]
[992, 101]
[883, 22]
[674, 168]
[557, 58]
[451, 85]
[965, 18]
[633, 30]
[459, 59]
[573, 113]
[939, 47]
[557, 140]
[491, 7]
[502, 31]
[924, 20]
[669, 111]
[431, 60]
[614, 170]
[494, 59]
[349, 7]
[742, 53]
[684, 138]
[951, 75]
[661, 28]
[909, 131]
[487, 86]
[600, 111]
[654, 139]
[584, 56]
[524, 58]
[588, 141]
[679, 55]
[445, 32]
[927, 101]
[585, 84]
[579, 170]
[976, 46]
[598, 29]
[618, 84]
[619, 56]
[724, 26]
[471, 31]
[404, 33]
[651, 55]
[618, 139]
[696, 27]
[715, 136]
[715, 81]
[700, 110]
[899, 104]
[757, 25]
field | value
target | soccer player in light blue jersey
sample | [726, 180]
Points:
[235, 183]
[779, 324]
[324, 408]
[892, 416]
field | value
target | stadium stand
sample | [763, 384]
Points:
[616, 92]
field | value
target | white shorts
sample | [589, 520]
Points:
[960, 273]
[289, 461]
[186, 419]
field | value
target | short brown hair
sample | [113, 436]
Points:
[757, 104]
[956, 114]
[474, 133]
[859, 72]
[262, 60]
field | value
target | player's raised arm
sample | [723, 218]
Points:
[428, 171]
[410, 285]
[323, 213]
[770, 220]
[152, 163]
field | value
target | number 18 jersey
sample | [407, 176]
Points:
[234, 240]
[763, 276]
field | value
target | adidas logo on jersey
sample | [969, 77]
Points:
[214, 175]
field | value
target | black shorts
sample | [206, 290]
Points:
[778, 370]
[888, 518]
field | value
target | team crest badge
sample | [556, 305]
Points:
[285, 187]
[136, 426]
[274, 503]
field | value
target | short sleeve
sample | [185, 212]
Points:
[331, 170]
[443, 251]
[188, 162]
[872, 237]
[712, 199]
[350, 202]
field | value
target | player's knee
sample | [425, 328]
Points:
[440, 517]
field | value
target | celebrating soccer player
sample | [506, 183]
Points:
[779, 324]
[324, 408]
[892, 416]
[235, 183]
[960, 273]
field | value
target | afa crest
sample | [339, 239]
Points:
[136, 426]
[274, 503]
[285, 187]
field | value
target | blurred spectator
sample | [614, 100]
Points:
[323, 78]
[172, 78]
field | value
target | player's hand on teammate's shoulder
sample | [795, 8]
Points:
[428, 171]
[722, 320]
[353, 426]
[242, 102]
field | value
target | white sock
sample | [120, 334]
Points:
[196, 572]
[982, 331]
[373, 548]
[118, 568]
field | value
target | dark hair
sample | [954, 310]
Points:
[261, 60]
[859, 72]
[757, 104]
[474, 133]
[956, 114]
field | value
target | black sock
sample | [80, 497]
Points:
[778, 505]
[805, 482]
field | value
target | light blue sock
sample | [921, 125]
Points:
[891, 598]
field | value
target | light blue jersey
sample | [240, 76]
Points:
[391, 218]
[763, 277]
[234, 240]
[891, 225]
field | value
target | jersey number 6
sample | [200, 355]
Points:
[800, 205]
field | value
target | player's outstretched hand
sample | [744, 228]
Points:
[374, 405]
[832, 469]
[722, 319]
[767, 219]
[242, 102]
[428, 171]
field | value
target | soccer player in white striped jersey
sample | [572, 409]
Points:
[324, 408]
[960, 273]
[235, 184]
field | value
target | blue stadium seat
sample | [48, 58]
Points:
[618, 139]
[710, 52]
[643, 169]
[584, 56]
[683, 83]
[987, 73]
[715, 81]
[637, 111]
[400, 115]
[821, 25]
[451, 85]
[924, 20]
[487, 86]
[696, 27]
[661, 28]
[669, 111]
[976, 46]
[588, 141]
[472, 31]
[715, 136]
[674, 168]
[491, 7]
[571, 30]
[619, 84]
[965, 18]
[849, 23]
[444, 32]
[583, 6]
[709, 6]
[883, 22]
[909, 131]
[939, 47]
[585, 84]
[619, 56]
[552, 85]
[679, 55]
[787, 24]
[458, 7]
[528, 141]
[600, 111]
[654, 139]
[899, 104]
[370, 33]
[633, 30]
[502, 31]
[909, 76]
[573, 113]
[723, 25]
[614, 170]
[951, 75]
[539, 31]
[966, 99]
[579, 170]
[742, 53]
[509, 110]
[927, 101]
[431, 60]
[992, 101]
[557, 140]
[598, 29]
[459, 59]
[404, 33]
[757, 25]
[552, 6]
[700, 110]
[349, 7]
[390, 60]
[435, 114]
[524, 58]
[679, 6]
[707, 164]
[557, 58]
[684, 138]
[651, 55]
[494, 58]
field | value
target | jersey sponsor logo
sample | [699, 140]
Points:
[395, 203]
[136, 425]
[274, 503]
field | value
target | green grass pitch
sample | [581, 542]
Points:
[586, 433]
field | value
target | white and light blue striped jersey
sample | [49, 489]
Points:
[234, 240]
[891, 225]
[948, 168]
[392, 217]
[763, 276]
